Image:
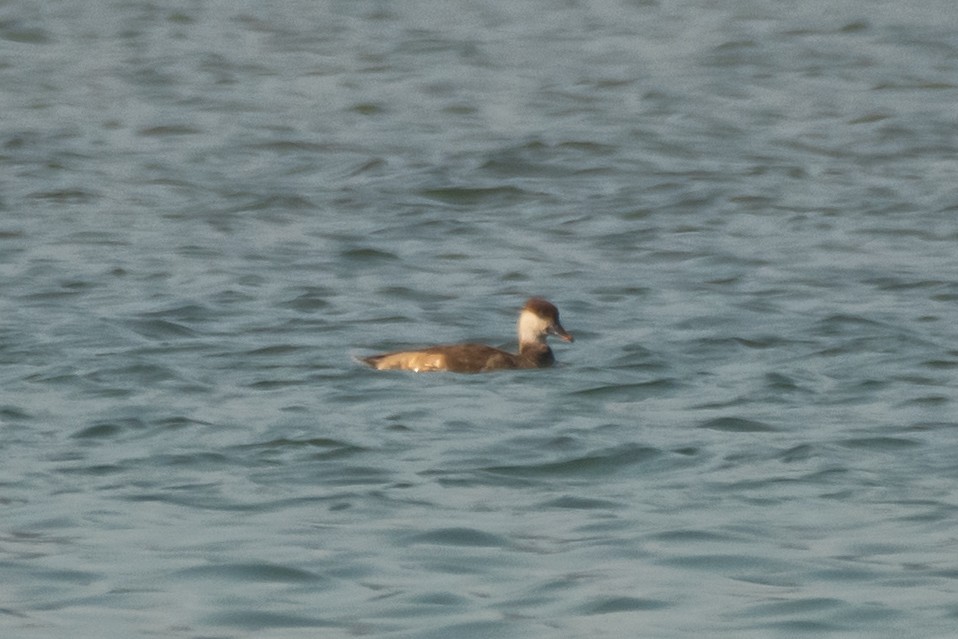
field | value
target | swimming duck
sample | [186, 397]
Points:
[537, 319]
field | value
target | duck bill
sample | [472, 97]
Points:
[557, 330]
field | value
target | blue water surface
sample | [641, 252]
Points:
[747, 214]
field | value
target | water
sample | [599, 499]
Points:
[746, 214]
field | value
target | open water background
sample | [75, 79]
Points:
[747, 213]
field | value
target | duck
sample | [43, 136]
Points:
[538, 319]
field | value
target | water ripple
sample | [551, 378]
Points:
[601, 462]
[749, 225]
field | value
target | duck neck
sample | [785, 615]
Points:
[535, 355]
